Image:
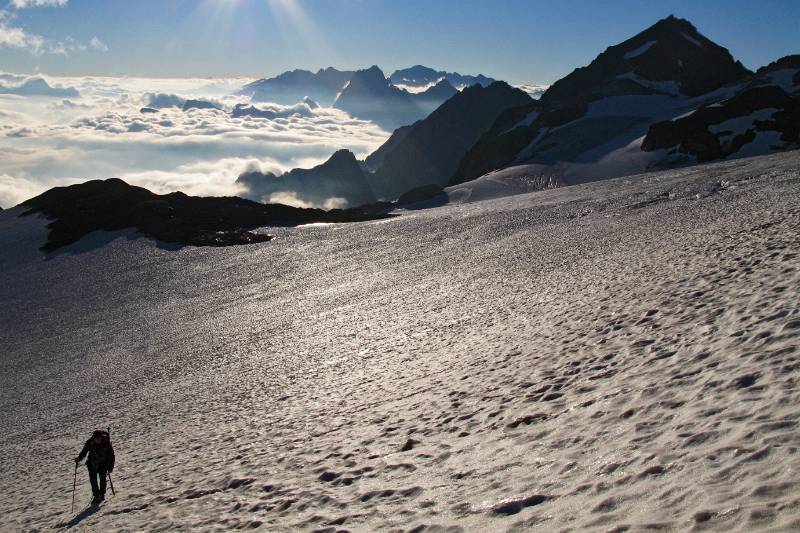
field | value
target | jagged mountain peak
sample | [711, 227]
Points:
[372, 76]
[341, 157]
[670, 57]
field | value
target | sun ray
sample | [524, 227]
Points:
[299, 30]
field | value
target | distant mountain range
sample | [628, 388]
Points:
[405, 97]
[419, 78]
[292, 86]
[666, 97]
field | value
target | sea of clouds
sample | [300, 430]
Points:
[48, 141]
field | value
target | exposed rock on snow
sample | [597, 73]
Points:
[112, 204]
[563, 359]
[718, 131]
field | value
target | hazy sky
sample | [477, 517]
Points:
[515, 40]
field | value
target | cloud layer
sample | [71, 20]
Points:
[46, 142]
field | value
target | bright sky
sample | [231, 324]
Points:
[516, 40]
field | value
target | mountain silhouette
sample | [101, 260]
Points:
[338, 181]
[428, 152]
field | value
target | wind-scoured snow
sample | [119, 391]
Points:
[621, 355]
[639, 50]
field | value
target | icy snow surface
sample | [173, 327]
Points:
[622, 354]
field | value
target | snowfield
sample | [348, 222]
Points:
[615, 356]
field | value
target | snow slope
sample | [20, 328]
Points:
[611, 356]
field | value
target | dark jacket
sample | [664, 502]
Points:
[101, 456]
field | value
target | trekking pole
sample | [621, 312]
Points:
[110, 483]
[74, 482]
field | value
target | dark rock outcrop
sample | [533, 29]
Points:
[175, 218]
[691, 135]
[429, 151]
[148, 110]
[338, 180]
